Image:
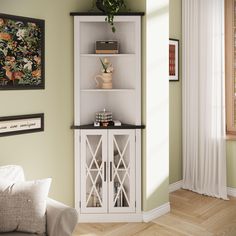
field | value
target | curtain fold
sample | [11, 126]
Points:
[204, 151]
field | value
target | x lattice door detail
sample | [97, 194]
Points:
[90, 168]
[121, 166]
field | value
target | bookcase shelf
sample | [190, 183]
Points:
[107, 90]
[108, 55]
[123, 126]
[107, 159]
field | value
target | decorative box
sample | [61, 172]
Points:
[106, 47]
[104, 117]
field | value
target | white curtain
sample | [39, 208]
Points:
[204, 154]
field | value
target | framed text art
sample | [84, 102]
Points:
[21, 53]
[173, 60]
[12, 125]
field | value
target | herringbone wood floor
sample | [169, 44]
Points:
[191, 214]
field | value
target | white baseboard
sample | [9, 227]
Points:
[178, 185]
[231, 192]
[175, 186]
[157, 212]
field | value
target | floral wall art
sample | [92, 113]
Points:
[21, 53]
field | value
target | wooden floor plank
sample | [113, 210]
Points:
[191, 215]
[173, 222]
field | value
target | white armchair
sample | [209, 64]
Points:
[61, 219]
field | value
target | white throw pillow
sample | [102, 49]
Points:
[23, 206]
[12, 173]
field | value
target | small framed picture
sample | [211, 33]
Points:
[173, 60]
[12, 125]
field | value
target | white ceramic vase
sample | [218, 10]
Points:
[104, 81]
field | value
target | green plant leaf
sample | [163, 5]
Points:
[112, 7]
[103, 65]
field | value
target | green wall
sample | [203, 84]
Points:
[49, 153]
[156, 162]
[175, 119]
[231, 164]
[155, 101]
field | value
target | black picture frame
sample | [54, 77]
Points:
[22, 53]
[173, 60]
[22, 124]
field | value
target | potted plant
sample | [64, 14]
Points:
[110, 8]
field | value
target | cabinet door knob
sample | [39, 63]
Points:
[110, 171]
[105, 171]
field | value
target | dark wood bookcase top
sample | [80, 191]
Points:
[103, 14]
[123, 126]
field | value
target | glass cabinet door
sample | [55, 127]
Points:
[93, 171]
[121, 170]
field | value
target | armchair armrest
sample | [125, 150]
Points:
[61, 219]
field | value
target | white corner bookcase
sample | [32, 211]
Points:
[107, 160]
